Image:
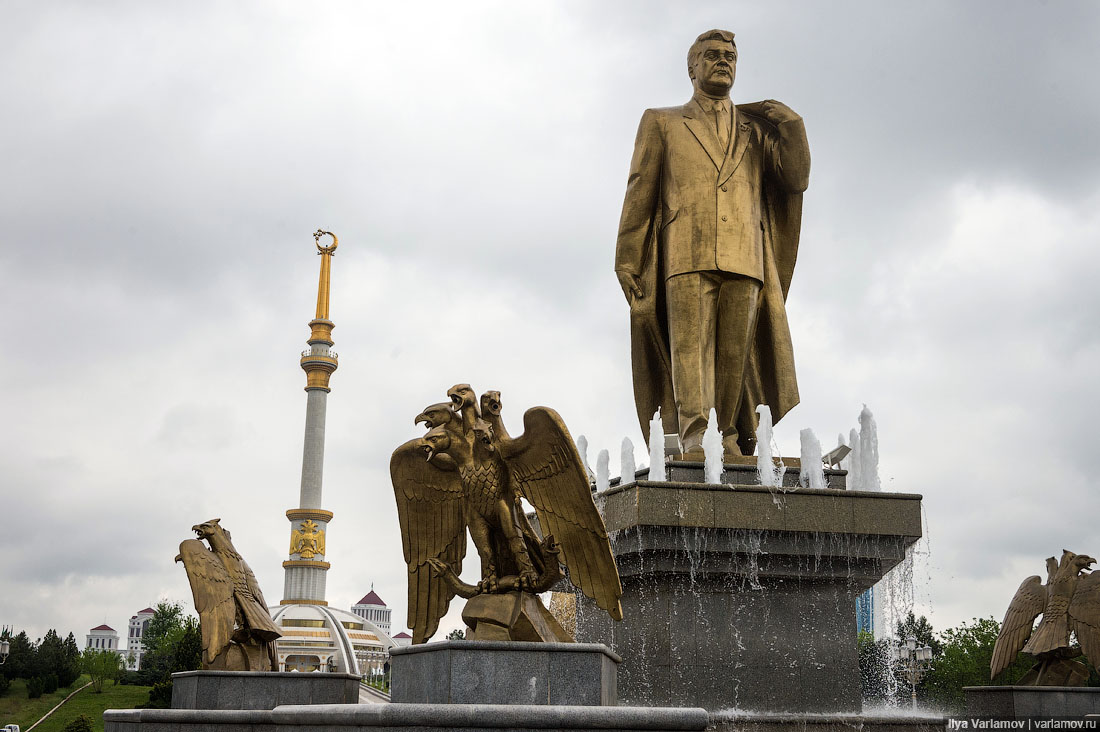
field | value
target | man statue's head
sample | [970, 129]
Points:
[712, 62]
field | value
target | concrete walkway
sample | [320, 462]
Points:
[371, 695]
[70, 696]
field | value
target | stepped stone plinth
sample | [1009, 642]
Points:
[738, 596]
[504, 672]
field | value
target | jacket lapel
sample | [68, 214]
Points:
[696, 120]
[741, 134]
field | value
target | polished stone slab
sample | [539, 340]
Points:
[500, 672]
[407, 718]
[1016, 702]
[250, 690]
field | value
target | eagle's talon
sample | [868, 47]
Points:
[527, 580]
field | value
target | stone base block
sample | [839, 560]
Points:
[1015, 702]
[740, 597]
[747, 722]
[493, 672]
[406, 717]
[244, 690]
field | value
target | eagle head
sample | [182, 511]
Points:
[436, 415]
[490, 403]
[207, 528]
[436, 441]
[462, 396]
[1078, 562]
[483, 433]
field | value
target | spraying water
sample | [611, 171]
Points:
[855, 480]
[627, 469]
[868, 451]
[712, 450]
[812, 474]
[582, 450]
[603, 471]
[764, 465]
[657, 469]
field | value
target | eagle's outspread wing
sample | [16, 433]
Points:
[262, 627]
[433, 526]
[1026, 605]
[547, 470]
[212, 589]
[1084, 615]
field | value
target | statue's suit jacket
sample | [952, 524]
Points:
[692, 207]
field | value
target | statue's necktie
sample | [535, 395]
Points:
[722, 122]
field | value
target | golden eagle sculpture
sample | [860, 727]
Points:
[1069, 602]
[468, 473]
[237, 631]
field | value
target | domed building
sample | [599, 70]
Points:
[374, 609]
[321, 638]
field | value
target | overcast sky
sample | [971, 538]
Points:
[164, 165]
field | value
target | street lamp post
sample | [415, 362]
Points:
[913, 661]
[5, 645]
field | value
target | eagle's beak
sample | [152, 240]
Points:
[179, 558]
[422, 417]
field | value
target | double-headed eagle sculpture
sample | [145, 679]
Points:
[467, 472]
[1069, 601]
[237, 631]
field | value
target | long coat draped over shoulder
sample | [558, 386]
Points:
[691, 207]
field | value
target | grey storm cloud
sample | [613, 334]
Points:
[165, 165]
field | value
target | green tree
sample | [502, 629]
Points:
[50, 651]
[22, 659]
[964, 661]
[60, 658]
[69, 670]
[161, 640]
[101, 666]
[457, 634]
[173, 643]
[921, 629]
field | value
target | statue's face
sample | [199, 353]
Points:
[715, 67]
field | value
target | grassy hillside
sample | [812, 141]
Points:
[16, 708]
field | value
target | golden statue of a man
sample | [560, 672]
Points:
[706, 249]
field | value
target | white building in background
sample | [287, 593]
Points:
[102, 638]
[139, 623]
[372, 608]
[403, 639]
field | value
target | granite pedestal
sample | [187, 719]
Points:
[742, 597]
[260, 690]
[1017, 702]
[407, 718]
[504, 672]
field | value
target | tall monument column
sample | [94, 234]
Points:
[305, 570]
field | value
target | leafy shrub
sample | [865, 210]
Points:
[131, 678]
[35, 687]
[4, 685]
[83, 723]
[160, 696]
